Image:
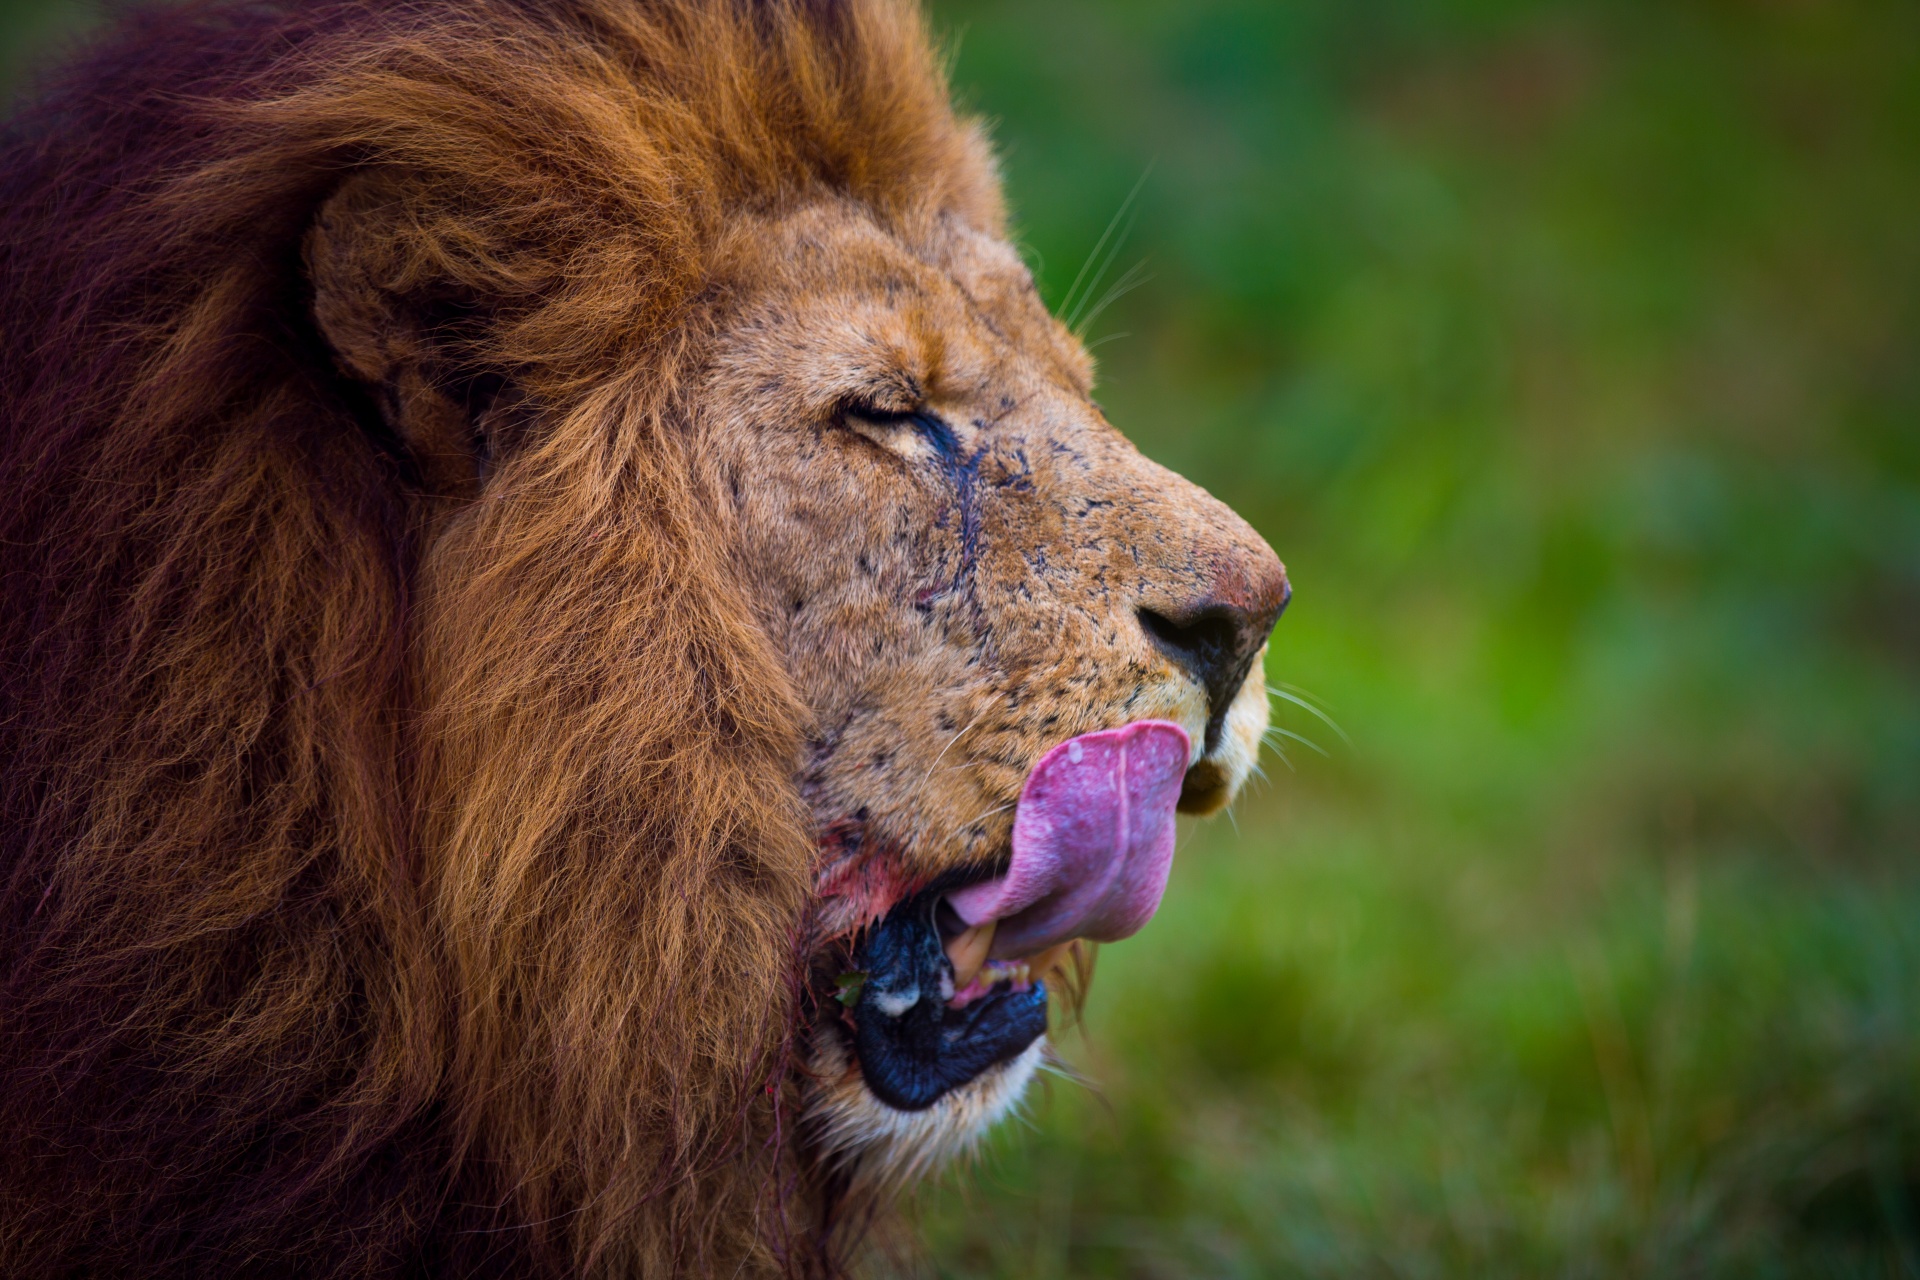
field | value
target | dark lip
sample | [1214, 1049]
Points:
[912, 1046]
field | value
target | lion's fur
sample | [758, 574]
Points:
[361, 918]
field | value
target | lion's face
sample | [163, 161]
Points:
[964, 566]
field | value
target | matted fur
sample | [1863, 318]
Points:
[350, 928]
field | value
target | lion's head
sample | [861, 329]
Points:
[578, 654]
[962, 567]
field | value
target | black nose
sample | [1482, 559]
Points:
[1215, 641]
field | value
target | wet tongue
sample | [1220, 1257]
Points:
[1092, 841]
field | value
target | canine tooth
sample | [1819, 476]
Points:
[967, 952]
[1050, 961]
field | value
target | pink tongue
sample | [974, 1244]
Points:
[1092, 841]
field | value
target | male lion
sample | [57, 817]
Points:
[576, 653]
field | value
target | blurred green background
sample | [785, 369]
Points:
[1567, 352]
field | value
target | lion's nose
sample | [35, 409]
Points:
[1215, 637]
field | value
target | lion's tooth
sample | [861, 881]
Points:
[967, 952]
[1050, 961]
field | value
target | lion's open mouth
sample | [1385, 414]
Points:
[949, 984]
[919, 1030]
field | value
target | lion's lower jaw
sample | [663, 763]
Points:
[886, 1150]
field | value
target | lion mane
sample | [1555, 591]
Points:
[351, 926]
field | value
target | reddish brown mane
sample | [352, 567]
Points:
[346, 931]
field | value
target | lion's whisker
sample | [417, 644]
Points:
[950, 741]
[1134, 276]
[1068, 305]
[999, 808]
[1056, 1067]
[1287, 693]
[1275, 731]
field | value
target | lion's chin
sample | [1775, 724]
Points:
[885, 1149]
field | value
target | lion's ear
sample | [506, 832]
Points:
[397, 326]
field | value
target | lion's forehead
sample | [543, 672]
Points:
[953, 307]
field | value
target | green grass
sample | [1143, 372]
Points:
[1569, 353]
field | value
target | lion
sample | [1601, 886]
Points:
[579, 659]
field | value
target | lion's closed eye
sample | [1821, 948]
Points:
[911, 433]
